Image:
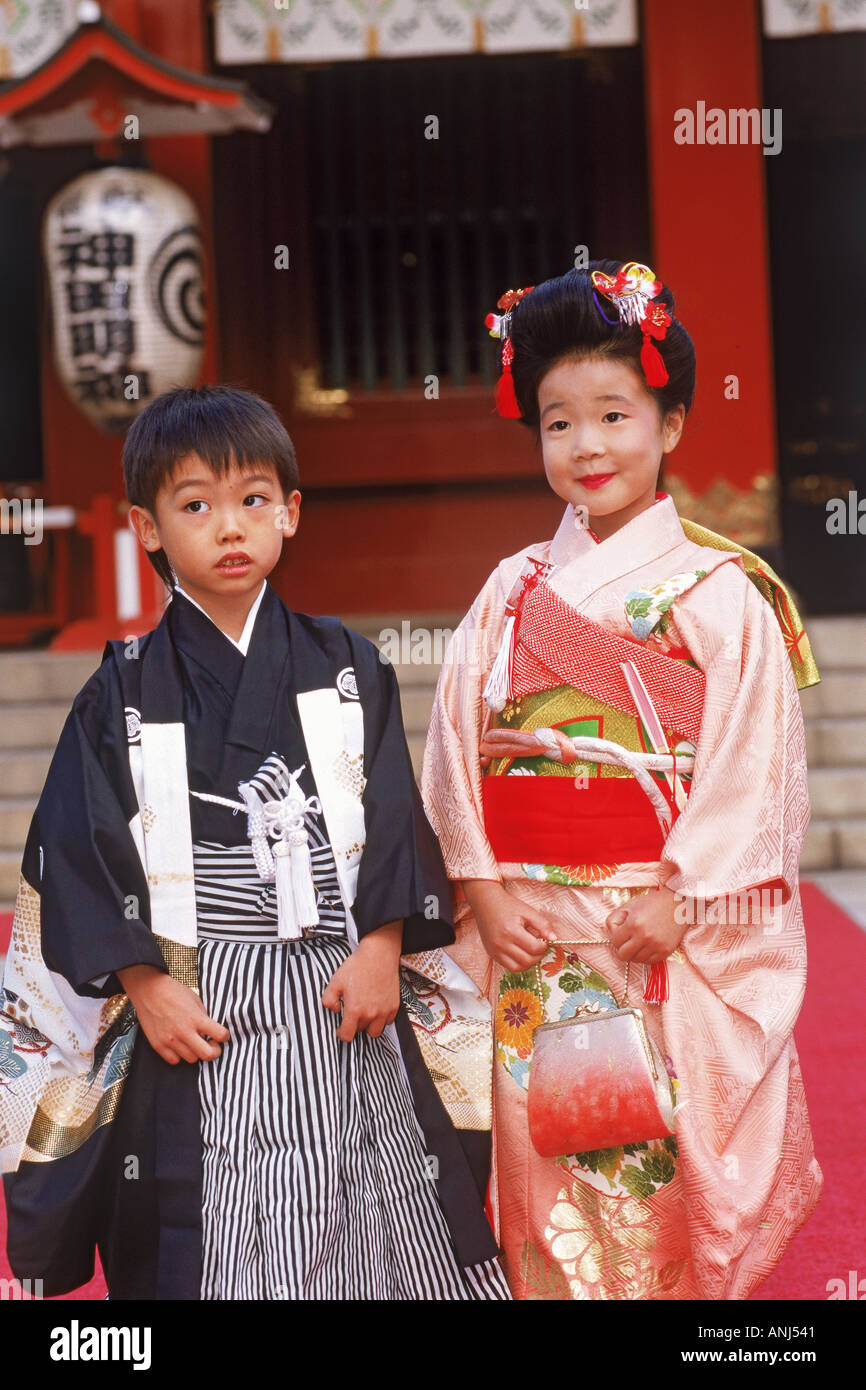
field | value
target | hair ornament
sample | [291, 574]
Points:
[499, 327]
[630, 291]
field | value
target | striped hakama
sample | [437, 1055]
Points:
[316, 1182]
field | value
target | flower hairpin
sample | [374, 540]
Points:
[630, 291]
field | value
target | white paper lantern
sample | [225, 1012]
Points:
[123, 250]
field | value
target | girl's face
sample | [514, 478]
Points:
[603, 439]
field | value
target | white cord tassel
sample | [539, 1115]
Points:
[289, 867]
[257, 831]
[296, 896]
[499, 689]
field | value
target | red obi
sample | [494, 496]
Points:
[549, 820]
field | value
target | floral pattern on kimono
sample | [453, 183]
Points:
[647, 609]
[589, 1226]
[568, 985]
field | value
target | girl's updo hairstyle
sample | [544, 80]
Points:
[559, 319]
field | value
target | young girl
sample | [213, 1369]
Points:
[616, 756]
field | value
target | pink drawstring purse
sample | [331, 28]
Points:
[597, 1080]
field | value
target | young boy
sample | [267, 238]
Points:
[210, 1077]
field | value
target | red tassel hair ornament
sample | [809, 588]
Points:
[498, 326]
[506, 400]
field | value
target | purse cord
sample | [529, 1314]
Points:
[591, 942]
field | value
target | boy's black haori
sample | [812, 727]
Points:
[81, 871]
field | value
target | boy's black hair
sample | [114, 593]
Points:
[222, 424]
[560, 319]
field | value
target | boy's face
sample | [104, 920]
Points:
[223, 535]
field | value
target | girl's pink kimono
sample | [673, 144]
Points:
[646, 640]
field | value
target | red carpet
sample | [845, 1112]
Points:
[830, 1041]
[829, 1038]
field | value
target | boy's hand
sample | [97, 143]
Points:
[172, 1016]
[368, 984]
[645, 929]
[514, 934]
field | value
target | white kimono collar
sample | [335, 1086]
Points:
[243, 642]
[582, 560]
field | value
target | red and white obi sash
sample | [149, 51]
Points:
[562, 820]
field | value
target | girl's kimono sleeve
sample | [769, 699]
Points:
[748, 809]
[451, 777]
[81, 859]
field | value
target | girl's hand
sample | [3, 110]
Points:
[172, 1016]
[368, 984]
[514, 934]
[645, 929]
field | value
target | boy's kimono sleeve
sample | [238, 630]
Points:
[81, 857]
[66, 1030]
[401, 875]
[748, 809]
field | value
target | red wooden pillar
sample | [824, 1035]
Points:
[708, 210]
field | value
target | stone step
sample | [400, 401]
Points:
[836, 742]
[829, 844]
[22, 773]
[35, 725]
[36, 689]
[417, 675]
[840, 694]
[850, 843]
[837, 793]
[834, 844]
[416, 704]
[44, 675]
[10, 870]
[830, 740]
[389, 627]
[414, 646]
[837, 642]
[818, 847]
[15, 816]
[416, 750]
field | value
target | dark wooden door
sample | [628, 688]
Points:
[398, 246]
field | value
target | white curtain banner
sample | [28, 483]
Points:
[787, 18]
[324, 30]
[30, 31]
